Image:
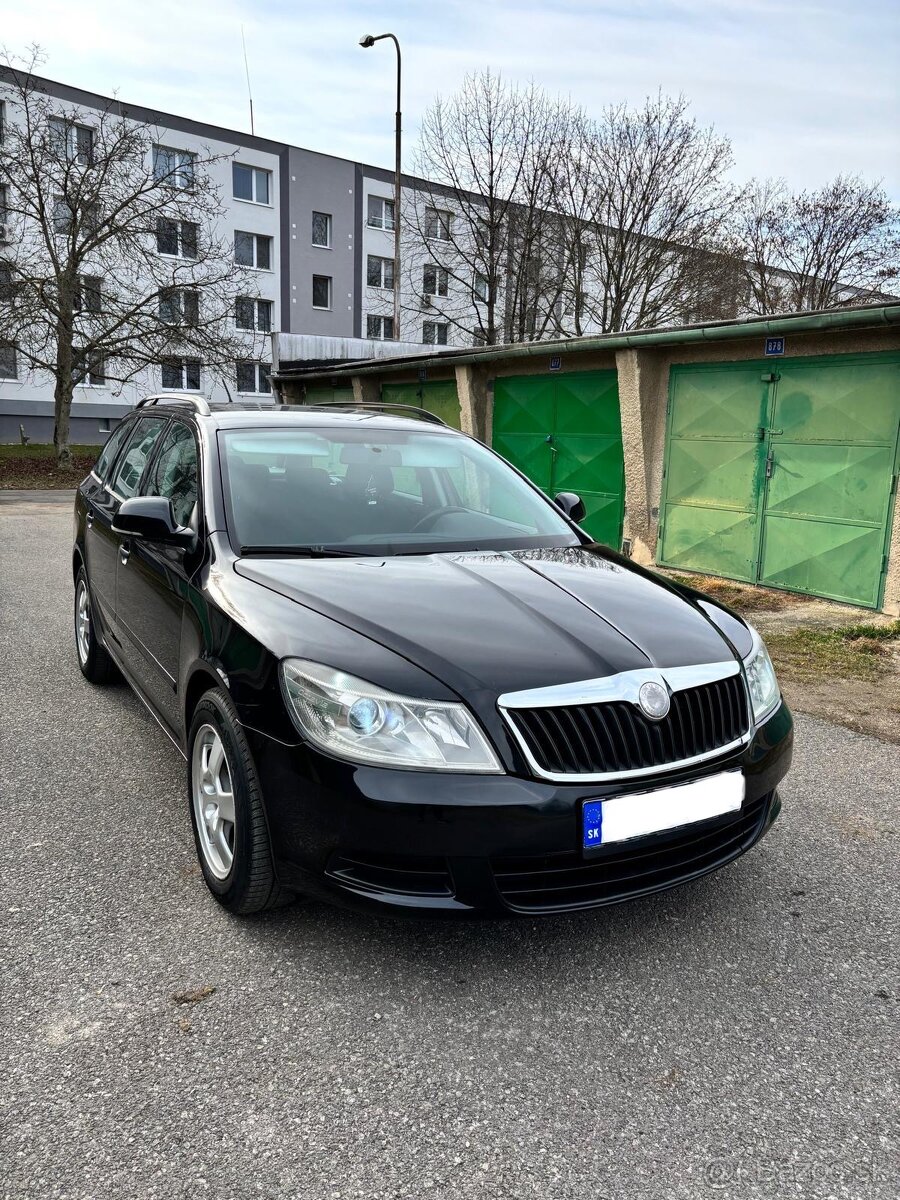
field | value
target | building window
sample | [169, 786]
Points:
[321, 229]
[434, 333]
[7, 284]
[8, 365]
[251, 183]
[176, 238]
[64, 217]
[179, 306]
[437, 224]
[480, 287]
[88, 369]
[253, 378]
[253, 314]
[380, 272]
[181, 374]
[434, 281]
[89, 294]
[174, 167]
[253, 250]
[380, 329]
[381, 213]
[71, 141]
[321, 291]
[3, 210]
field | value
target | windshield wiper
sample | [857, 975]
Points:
[301, 551]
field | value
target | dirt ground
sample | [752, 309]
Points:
[833, 660]
[34, 466]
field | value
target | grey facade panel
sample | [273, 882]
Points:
[358, 219]
[318, 183]
[83, 431]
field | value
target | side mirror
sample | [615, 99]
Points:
[151, 517]
[571, 504]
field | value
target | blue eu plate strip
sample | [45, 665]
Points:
[593, 824]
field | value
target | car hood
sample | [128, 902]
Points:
[488, 623]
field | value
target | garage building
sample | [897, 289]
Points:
[766, 450]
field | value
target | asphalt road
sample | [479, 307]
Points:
[737, 1037]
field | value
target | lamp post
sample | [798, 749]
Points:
[366, 42]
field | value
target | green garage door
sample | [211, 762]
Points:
[564, 432]
[438, 397]
[784, 476]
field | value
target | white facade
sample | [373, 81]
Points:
[31, 392]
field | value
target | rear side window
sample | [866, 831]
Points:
[174, 472]
[111, 449]
[134, 458]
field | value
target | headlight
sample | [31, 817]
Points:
[359, 721]
[761, 679]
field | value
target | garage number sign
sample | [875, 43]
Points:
[774, 346]
[556, 363]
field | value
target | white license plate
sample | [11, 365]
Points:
[640, 813]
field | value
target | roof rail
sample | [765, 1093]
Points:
[374, 406]
[198, 403]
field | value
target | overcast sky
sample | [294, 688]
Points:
[804, 88]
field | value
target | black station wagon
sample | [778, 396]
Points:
[403, 678]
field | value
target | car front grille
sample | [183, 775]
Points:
[554, 882]
[615, 736]
[396, 874]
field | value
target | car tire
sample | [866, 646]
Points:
[93, 657]
[227, 815]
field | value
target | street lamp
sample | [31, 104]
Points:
[366, 42]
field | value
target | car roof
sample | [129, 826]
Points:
[243, 416]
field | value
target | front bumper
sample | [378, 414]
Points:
[411, 841]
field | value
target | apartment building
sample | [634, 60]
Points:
[317, 233]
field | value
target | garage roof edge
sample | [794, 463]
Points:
[866, 316]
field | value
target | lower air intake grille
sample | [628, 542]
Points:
[567, 880]
[613, 736]
[398, 874]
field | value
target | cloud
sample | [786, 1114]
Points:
[803, 89]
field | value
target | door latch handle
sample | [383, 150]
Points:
[770, 465]
[124, 551]
[89, 520]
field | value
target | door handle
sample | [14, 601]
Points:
[124, 552]
[89, 520]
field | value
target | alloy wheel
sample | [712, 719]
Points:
[213, 799]
[82, 622]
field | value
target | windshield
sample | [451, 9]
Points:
[378, 491]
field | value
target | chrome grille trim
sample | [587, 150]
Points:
[624, 686]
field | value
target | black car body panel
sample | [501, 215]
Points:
[458, 626]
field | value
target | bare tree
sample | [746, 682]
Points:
[568, 224]
[118, 257]
[658, 214]
[479, 220]
[809, 250]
